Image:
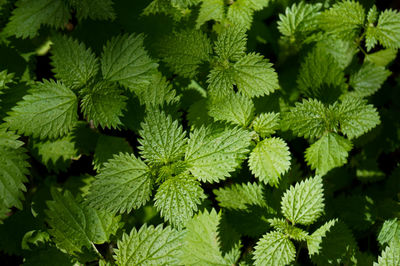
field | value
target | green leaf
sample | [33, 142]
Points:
[5, 78]
[382, 57]
[344, 20]
[29, 16]
[201, 241]
[341, 51]
[177, 199]
[231, 43]
[162, 140]
[328, 152]
[304, 202]
[315, 239]
[98, 10]
[240, 196]
[356, 117]
[266, 124]
[368, 79]
[48, 111]
[389, 232]
[274, 249]
[235, 108]
[210, 10]
[293, 232]
[13, 171]
[73, 63]
[106, 147]
[269, 160]
[212, 154]
[299, 20]
[103, 103]
[254, 76]
[76, 227]
[390, 256]
[124, 183]
[149, 246]
[220, 80]
[184, 51]
[124, 60]
[307, 119]
[240, 13]
[388, 29]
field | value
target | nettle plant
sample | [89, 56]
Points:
[181, 132]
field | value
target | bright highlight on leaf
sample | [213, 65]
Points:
[275, 249]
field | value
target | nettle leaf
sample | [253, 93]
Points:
[254, 76]
[328, 152]
[241, 13]
[368, 79]
[124, 183]
[48, 111]
[149, 246]
[307, 119]
[99, 10]
[266, 124]
[382, 57]
[299, 20]
[177, 199]
[293, 232]
[13, 171]
[241, 196]
[212, 154]
[344, 20]
[235, 108]
[210, 10]
[356, 117]
[124, 60]
[162, 140]
[390, 256]
[315, 239]
[29, 16]
[106, 147]
[342, 52]
[389, 232]
[5, 78]
[221, 80]
[184, 51]
[231, 43]
[275, 249]
[73, 63]
[269, 160]
[76, 227]
[388, 29]
[304, 202]
[103, 103]
[201, 241]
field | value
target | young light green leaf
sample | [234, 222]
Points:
[210, 10]
[240, 196]
[283, 226]
[368, 79]
[388, 29]
[149, 246]
[184, 51]
[103, 103]
[98, 10]
[304, 202]
[177, 199]
[382, 57]
[29, 16]
[344, 19]
[328, 152]
[254, 76]
[356, 117]
[76, 227]
[48, 111]
[269, 160]
[274, 249]
[389, 232]
[124, 183]
[221, 80]
[266, 124]
[235, 108]
[162, 140]
[390, 256]
[212, 154]
[231, 43]
[299, 20]
[315, 239]
[13, 171]
[240, 13]
[201, 242]
[73, 63]
[124, 60]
